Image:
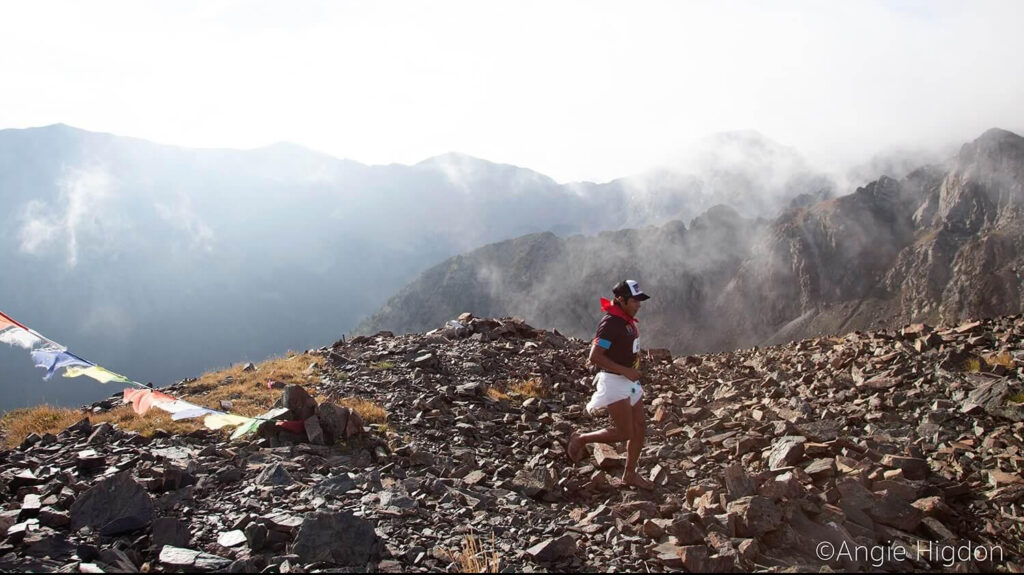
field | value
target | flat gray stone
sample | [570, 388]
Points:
[180, 558]
[314, 431]
[333, 487]
[231, 538]
[551, 550]
[275, 475]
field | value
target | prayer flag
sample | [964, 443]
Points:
[20, 337]
[219, 420]
[7, 321]
[191, 413]
[246, 428]
[53, 359]
[96, 372]
[143, 399]
[175, 406]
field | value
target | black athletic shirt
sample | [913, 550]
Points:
[619, 341]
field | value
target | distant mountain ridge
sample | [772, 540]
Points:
[944, 243]
[162, 262]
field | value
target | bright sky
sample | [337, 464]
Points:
[577, 90]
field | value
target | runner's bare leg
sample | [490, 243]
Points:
[635, 446]
[620, 430]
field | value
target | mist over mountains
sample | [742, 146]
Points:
[160, 262]
[943, 243]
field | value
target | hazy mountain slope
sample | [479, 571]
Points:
[942, 244]
[160, 261]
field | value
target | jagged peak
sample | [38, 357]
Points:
[995, 144]
[997, 135]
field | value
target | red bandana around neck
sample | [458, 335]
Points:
[610, 307]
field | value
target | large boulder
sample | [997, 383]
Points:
[298, 401]
[113, 506]
[339, 538]
[333, 421]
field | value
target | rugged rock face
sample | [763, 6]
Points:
[910, 439]
[945, 243]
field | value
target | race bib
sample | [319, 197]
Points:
[636, 345]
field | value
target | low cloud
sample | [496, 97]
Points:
[77, 213]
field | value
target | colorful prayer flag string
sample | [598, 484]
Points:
[52, 356]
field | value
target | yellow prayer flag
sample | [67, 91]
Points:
[96, 372]
[219, 420]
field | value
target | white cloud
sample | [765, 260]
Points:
[78, 211]
[577, 90]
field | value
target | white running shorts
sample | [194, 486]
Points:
[612, 388]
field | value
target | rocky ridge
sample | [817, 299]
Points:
[903, 438]
[943, 244]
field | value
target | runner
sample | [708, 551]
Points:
[616, 352]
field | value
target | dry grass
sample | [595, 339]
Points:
[368, 410]
[518, 390]
[528, 388]
[247, 391]
[124, 417]
[472, 558]
[20, 423]
[496, 394]
[1004, 359]
[381, 365]
[1016, 398]
[16, 425]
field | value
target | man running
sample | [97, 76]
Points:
[615, 351]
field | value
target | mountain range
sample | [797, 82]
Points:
[160, 262]
[944, 243]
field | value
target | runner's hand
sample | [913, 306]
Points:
[631, 374]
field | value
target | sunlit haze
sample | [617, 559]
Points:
[576, 90]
